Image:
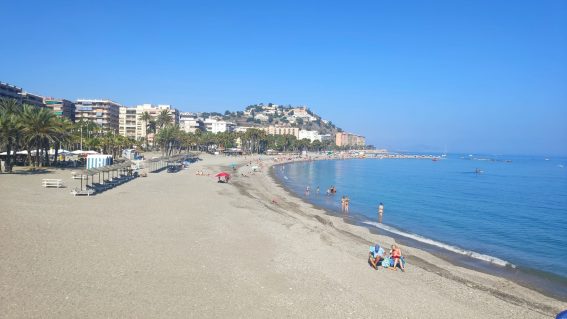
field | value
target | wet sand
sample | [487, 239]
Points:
[181, 245]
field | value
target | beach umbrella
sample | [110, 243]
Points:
[222, 174]
[60, 152]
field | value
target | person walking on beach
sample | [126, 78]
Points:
[307, 190]
[380, 212]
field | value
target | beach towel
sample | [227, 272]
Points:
[386, 262]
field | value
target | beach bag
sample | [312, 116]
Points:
[386, 262]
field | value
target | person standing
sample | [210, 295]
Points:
[317, 189]
[380, 212]
[343, 204]
[347, 201]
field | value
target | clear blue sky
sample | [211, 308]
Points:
[477, 76]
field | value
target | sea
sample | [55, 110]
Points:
[500, 214]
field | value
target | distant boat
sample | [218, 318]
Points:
[435, 159]
[478, 171]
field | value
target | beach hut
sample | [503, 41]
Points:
[94, 161]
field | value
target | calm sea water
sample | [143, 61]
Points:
[513, 213]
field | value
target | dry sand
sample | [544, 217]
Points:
[181, 245]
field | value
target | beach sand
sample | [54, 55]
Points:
[181, 245]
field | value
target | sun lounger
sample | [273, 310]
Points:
[87, 192]
[78, 176]
[49, 182]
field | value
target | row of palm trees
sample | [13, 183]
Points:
[36, 130]
[171, 139]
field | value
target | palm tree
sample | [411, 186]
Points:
[164, 118]
[39, 128]
[64, 135]
[168, 137]
[10, 110]
[146, 117]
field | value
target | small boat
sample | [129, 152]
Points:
[478, 171]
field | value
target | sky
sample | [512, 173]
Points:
[467, 76]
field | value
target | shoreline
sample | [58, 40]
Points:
[422, 249]
[543, 282]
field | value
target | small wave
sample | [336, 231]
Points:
[472, 254]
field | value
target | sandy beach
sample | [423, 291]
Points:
[184, 246]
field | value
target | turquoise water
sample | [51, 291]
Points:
[513, 213]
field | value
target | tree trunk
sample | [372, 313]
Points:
[46, 148]
[30, 160]
[57, 145]
[37, 157]
[8, 167]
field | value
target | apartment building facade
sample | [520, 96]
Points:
[310, 135]
[10, 91]
[349, 139]
[105, 113]
[131, 124]
[61, 107]
[218, 126]
[282, 130]
[190, 123]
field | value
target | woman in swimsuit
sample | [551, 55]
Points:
[396, 254]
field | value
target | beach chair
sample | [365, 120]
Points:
[80, 192]
[50, 182]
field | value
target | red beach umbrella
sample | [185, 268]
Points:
[222, 174]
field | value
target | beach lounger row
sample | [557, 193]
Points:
[96, 188]
[109, 184]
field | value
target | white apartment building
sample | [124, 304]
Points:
[190, 123]
[243, 129]
[131, 125]
[216, 126]
[310, 135]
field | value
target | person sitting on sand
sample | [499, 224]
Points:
[375, 256]
[396, 255]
